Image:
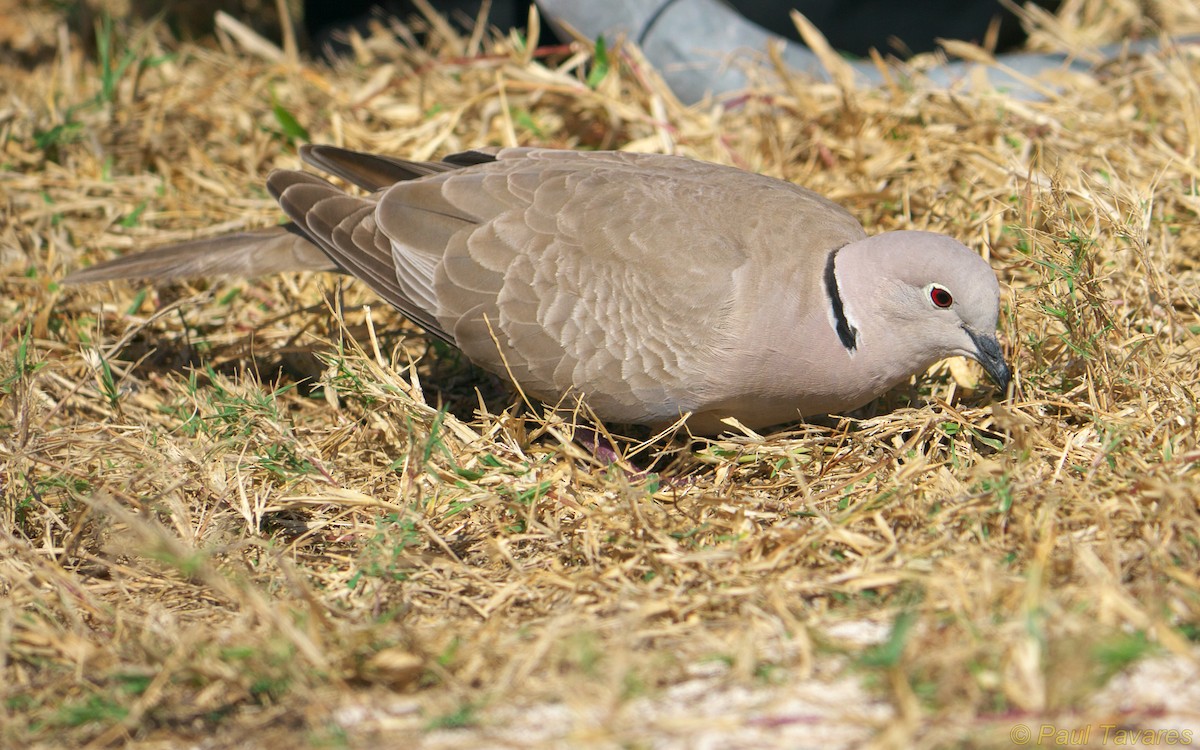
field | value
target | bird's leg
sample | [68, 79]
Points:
[597, 444]
[601, 447]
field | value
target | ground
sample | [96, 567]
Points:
[257, 513]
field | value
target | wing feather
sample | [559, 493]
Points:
[346, 228]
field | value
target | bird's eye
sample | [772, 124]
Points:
[940, 296]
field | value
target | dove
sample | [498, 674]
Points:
[652, 287]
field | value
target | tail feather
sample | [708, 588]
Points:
[285, 247]
[276, 249]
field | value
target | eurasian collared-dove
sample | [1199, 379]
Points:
[652, 286]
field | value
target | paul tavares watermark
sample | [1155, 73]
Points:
[1053, 735]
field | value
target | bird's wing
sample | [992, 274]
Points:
[611, 275]
[345, 227]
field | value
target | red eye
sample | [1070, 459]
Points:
[940, 296]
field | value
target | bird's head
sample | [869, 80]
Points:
[912, 298]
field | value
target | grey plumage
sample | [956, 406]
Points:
[650, 285]
[266, 251]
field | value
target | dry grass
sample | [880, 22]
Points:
[233, 513]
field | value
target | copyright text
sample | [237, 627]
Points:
[1053, 735]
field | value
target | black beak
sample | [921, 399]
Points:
[987, 352]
